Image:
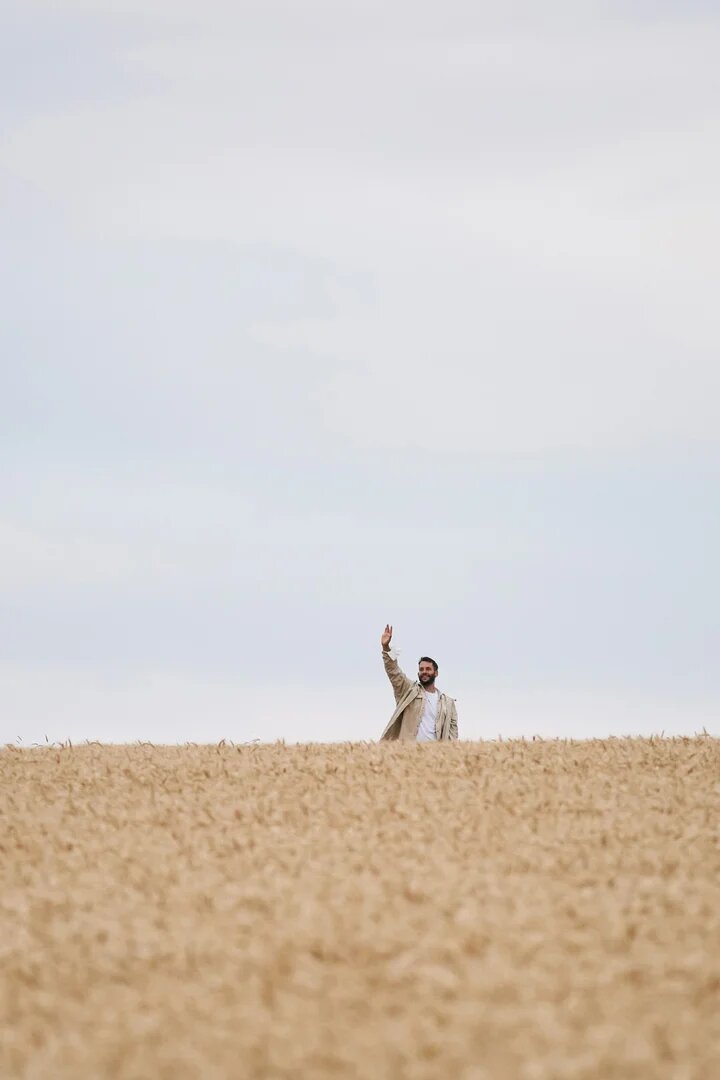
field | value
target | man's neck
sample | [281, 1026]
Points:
[430, 688]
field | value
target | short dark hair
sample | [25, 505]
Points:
[429, 660]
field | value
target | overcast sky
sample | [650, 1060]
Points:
[322, 314]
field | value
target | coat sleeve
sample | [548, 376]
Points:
[453, 721]
[398, 679]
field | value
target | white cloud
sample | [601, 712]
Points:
[536, 208]
[293, 293]
[32, 557]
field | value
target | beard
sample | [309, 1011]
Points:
[427, 680]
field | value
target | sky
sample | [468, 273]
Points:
[322, 315]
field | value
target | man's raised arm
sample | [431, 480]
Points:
[399, 680]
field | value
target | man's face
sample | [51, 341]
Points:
[426, 673]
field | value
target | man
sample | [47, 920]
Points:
[423, 713]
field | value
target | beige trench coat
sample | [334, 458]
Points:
[405, 721]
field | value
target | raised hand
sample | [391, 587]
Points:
[386, 636]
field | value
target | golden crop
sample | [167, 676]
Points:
[469, 911]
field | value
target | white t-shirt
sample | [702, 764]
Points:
[426, 730]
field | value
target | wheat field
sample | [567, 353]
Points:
[520, 910]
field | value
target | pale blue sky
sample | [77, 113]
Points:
[320, 316]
